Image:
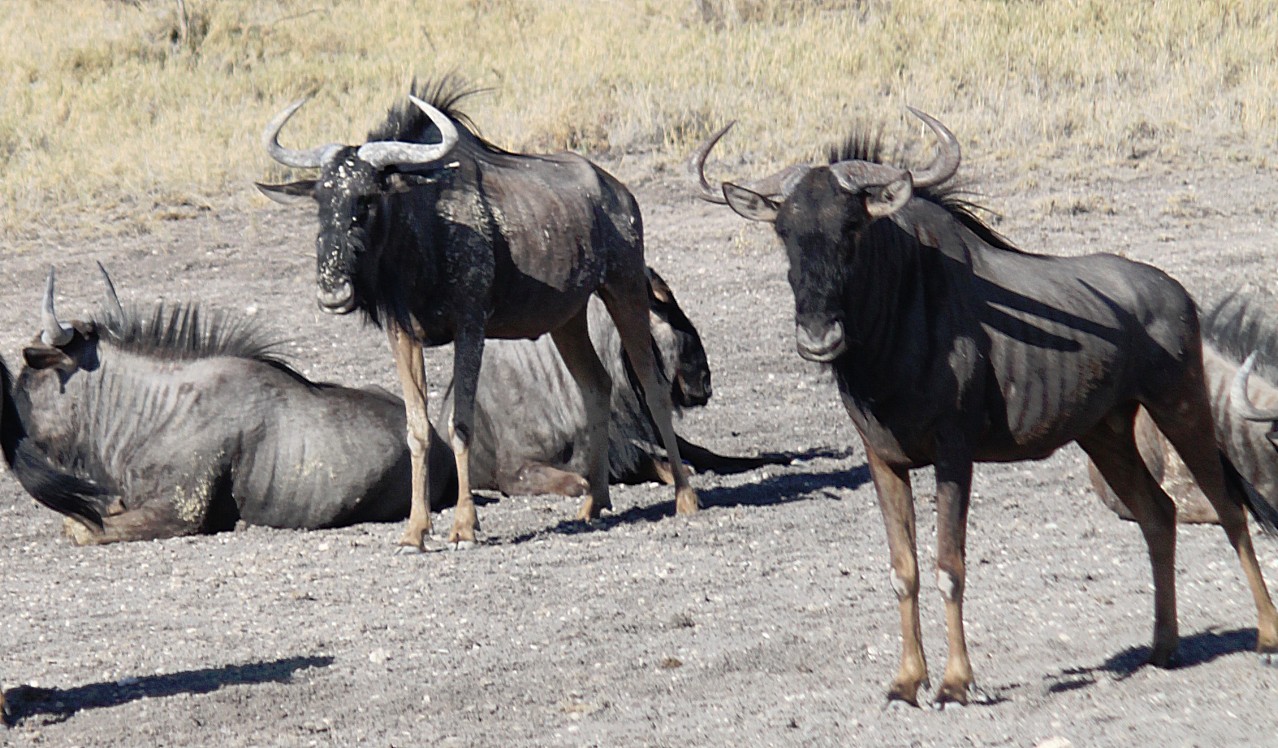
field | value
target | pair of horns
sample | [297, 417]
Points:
[378, 154]
[55, 333]
[851, 174]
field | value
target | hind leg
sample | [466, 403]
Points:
[627, 303]
[540, 478]
[151, 521]
[573, 341]
[1189, 426]
[1112, 448]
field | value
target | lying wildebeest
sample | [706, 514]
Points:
[443, 237]
[949, 345]
[1232, 330]
[191, 424]
[530, 420]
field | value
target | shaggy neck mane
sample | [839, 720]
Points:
[408, 124]
[867, 145]
[183, 332]
[1237, 326]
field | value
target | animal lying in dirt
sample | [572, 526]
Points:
[1235, 328]
[189, 424]
[530, 419]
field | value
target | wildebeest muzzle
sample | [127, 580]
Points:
[820, 340]
[340, 300]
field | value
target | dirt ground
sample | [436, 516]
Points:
[767, 619]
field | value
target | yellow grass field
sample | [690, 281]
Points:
[117, 113]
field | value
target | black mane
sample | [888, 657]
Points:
[953, 196]
[408, 124]
[184, 332]
[1237, 326]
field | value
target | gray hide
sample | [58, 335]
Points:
[193, 425]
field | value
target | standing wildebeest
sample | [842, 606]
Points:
[950, 346]
[458, 240]
[192, 424]
[530, 420]
[1232, 330]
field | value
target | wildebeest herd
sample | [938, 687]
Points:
[949, 346]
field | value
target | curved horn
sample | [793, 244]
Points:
[1238, 395]
[113, 301]
[696, 165]
[308, 159]
[777, 185]
[54, 332]
[946, 161]
[380, 154]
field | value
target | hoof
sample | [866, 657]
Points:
[958, 696]
[1269, 659]
[903, 694]
[1165, 659]
[463, 545]
[687, 502]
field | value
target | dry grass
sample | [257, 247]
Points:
[117, 113]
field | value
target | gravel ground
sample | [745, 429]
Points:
[766, 619]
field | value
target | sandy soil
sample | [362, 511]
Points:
[767, 619]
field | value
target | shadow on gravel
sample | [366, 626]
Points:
[770, 491]
[54, 705]
[1196, 649]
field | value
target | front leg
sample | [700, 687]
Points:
[468, 353]
[953, 492]
[411, 369]
[896, 501]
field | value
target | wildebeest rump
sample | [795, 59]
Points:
[949, 346]
[189, 421]
[530, 421]
[444, 237]
[1233, 329]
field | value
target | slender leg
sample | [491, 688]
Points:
[629, 311]
[412, 378]
[896, 501]
[578, 354]
[1116, 457]
[468, 353]
[1185, 432]
[953, 491]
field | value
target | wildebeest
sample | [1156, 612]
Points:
[190, 423]
[443, 237]
[949, 345]
[530, 420]
[1233, 329]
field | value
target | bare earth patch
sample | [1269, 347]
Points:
[767, 619]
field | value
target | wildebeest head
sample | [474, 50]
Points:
[820, 214]
[679, 346]
[348, 192]
[60, 349]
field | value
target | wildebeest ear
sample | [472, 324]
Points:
[750, 204]
[292, 193]
[41, 357]
[884, 200]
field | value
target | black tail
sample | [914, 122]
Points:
[61, 492]
[1265, 513]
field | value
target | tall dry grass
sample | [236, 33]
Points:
[116, 113]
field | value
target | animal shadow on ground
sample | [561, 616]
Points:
[56, 705]
[1197, 649]
[779, 488]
